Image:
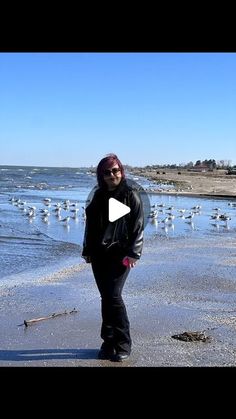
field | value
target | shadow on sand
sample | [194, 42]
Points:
[47, 354]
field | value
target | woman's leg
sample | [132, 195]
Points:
[110, 278]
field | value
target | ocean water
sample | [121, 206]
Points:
[35, 241]
[33, 236]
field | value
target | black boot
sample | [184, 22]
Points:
[120, 357]
[106, 351]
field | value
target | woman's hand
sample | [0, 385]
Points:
[129, 262]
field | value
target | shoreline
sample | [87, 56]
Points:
[192, 184]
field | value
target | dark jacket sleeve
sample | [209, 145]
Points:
[91, 225]
[85, 250]
[136, 226]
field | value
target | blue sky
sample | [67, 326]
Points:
[71, 109]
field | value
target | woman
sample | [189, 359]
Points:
[113, 248]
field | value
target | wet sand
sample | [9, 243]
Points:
[178, 285]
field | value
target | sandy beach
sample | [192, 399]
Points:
[216, 183]
[188, 286]
[178, 285]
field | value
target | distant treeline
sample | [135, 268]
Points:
[210, 164]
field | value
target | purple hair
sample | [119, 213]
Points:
[104, 164]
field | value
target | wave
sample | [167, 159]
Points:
[44, 274]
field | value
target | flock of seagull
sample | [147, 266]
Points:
[217, 218]
[65, 211]
[57, 209]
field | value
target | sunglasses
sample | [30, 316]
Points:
[114, 171]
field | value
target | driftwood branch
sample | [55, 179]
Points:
[39, 319]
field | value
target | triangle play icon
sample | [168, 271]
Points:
[116, 209]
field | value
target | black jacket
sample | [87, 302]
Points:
[124, 235]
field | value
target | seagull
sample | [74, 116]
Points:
[190, 216]
[65, 220]
[215, 217]
[47, 201]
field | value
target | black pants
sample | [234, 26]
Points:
[110, 275]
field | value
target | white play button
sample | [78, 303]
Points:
[117, 209]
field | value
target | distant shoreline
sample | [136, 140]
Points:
[184, 183]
